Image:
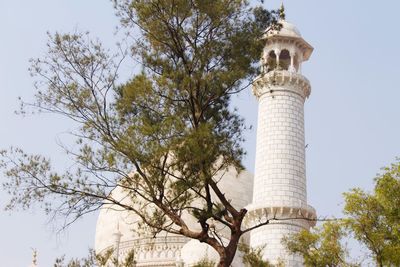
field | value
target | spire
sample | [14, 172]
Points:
[282, 14]
[34, 258]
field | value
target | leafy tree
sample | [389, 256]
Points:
[205, 263]
[90, 261]
[161, 136]
[93, 260]
[371, 218]
[374, 218]
[253, 256]
[320, 247]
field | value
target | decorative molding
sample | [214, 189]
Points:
[281, 81]
[304, 216]
[152, 252]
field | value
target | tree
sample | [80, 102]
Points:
[162, 135]
[95, 260]
[374, 218]
[254, 257]
[321, 247]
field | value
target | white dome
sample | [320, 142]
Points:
[194, 252]
[288, 30]
[166, 248]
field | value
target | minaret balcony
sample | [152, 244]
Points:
[304, 215]
[276, 81]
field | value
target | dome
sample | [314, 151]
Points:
[165, 249]
[289, 38]
[288, 30]
[194, 252]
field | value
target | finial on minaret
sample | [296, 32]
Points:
[34, 258]
[282, 14]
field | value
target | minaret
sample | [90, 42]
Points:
[280, 174]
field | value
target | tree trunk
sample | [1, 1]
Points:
[225, 261]
[226, 258]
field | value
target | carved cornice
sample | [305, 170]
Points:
[282, 42]
[304, 216]
[277, 81]
[152, 252]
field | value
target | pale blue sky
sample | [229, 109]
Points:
[352, 116]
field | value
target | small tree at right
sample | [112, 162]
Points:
[320, 247]
[372, 218]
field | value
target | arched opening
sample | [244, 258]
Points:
[271, 61]
[284, 59]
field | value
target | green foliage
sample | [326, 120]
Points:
[374, 218]
[205, 263]
[162, 135]
[253, 256]
[129, 259]
[320, 247]
[92, 260]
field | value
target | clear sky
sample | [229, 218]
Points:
[352, 116]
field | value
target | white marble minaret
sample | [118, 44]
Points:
[280, 175]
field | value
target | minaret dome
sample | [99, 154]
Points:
[285, 48]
